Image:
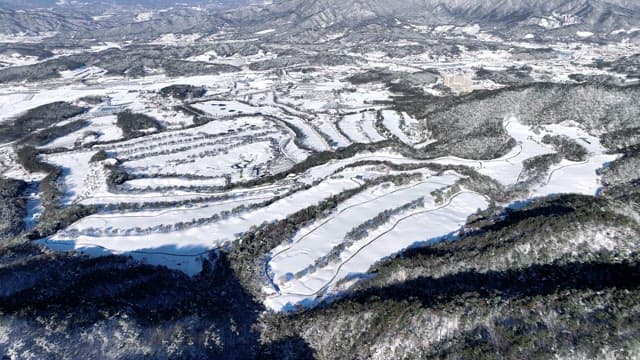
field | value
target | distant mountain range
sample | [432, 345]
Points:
[148, 4]
[549, 14]
[306, 19]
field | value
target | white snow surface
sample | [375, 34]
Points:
[183, 247]
[360, 127]
[403, 232]
[259, 130]
[99, 129]
[266, 31]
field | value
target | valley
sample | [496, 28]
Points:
[308, 179]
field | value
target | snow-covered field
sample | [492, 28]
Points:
[100, 129]
[194, 240]
[399, 231]
[402, 126]
[402, 232]
[187, 231]
[360, 128]
[225, 108]
[16, 59]
[197, 185]
[294, 283]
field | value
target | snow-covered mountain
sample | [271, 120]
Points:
[319, 179]
[593, 14]
[296, 17]
[33, 4]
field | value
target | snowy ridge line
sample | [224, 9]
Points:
[328, 283]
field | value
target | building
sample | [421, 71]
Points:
[459, 81]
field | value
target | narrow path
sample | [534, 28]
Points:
[561, 168]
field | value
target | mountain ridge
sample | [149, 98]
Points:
[594, 14]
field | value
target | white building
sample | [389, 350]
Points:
[459, 81]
